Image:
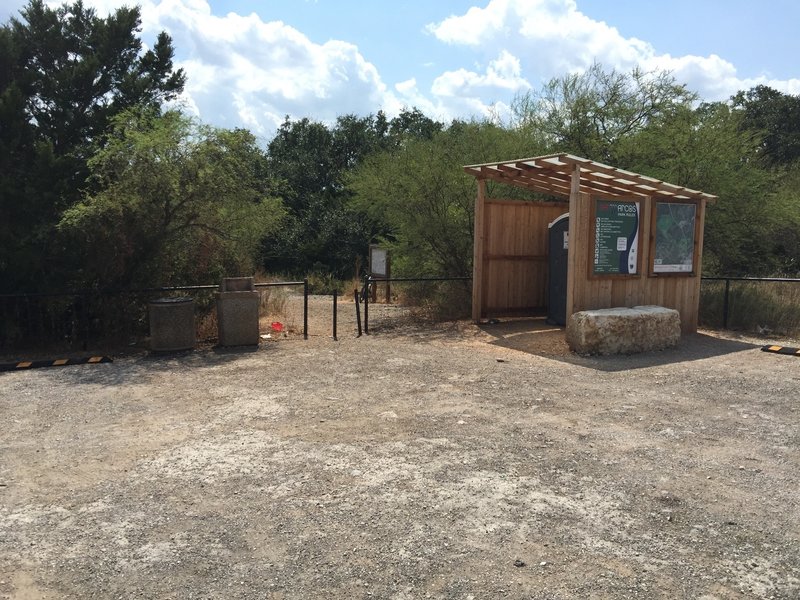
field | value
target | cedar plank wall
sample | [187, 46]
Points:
[587, 292]
[515, 255]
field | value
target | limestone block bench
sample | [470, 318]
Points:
[623, 330]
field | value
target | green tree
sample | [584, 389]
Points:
[355, 137]
[310, 162]
[65, 73]
[648, 123]
[704, 148]
[178, 202]
[772, 120]
[77, 70]
[411, 124]
[302, 163]
[424, 201]
[589, 113]
[785, 238]
[23, 163]
[775, 118]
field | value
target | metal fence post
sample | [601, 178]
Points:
[305, 308]
[335, 298]
[367, 281]
[358, 311]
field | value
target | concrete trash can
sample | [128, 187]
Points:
[172, 324]
[237, 312]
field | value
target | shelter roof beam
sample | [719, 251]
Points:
[554, 172]
[508, 179]
[635, 180]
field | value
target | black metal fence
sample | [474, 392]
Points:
[369, 292]
[757, 304]
[761, 304]
[78, 319]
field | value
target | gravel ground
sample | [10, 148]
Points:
[444, 461]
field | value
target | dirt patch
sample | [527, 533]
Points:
[421, 461]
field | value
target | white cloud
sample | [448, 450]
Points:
[465, 93]
[408, 95]
[502, 76]
[714, 77]
[244, 71]
[553, 37]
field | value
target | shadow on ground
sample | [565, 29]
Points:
[142, 366]
[536, 336]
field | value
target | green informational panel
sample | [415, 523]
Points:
[616, 237]
[675, 227]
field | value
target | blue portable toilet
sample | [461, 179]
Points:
[558, 249]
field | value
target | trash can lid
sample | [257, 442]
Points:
[177, 300]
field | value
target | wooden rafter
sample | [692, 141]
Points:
[501, 177]
[551, 174]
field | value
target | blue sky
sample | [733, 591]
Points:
[251, 63]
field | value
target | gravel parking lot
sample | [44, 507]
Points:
[444, 461]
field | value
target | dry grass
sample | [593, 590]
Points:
[273, 301]
[754, 306]
[436, 300]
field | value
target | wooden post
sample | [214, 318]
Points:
[576, 244]
[477, 252]
[698, 260]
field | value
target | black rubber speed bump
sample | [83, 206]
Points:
[24, 365]
[782, 350]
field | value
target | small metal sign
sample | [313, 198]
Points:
[377, 261]
[379, 268]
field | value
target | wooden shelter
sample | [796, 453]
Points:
[631, 239]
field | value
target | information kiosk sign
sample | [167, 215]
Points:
[616, 237]
[675, 227]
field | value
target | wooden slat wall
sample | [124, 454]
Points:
[586, 292]
[514, 274]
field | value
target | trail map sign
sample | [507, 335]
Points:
[616, 237]
[675, 230]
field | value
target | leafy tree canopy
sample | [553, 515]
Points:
[65, 73]
[776, 117]
[589, 113]
[648, 123]
[178, 202]
[422, 199]
[76, 70]
[311, 162]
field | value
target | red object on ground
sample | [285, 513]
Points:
[277, 326]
